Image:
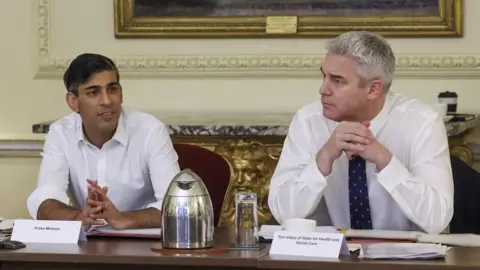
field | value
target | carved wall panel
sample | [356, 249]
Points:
[253, 160]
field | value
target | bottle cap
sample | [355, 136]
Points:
[447, 94]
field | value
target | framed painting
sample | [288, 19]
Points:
[286, 18]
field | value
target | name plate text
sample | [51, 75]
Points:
[312, 244]
[48, 231]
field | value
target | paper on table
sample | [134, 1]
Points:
[267, 231]
[465, 240]
[5, 236]
[107, 230]
[468, 240]
[403, 251]
[384, 234]
[6, 224]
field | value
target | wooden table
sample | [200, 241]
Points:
[128, 254]
[121, 253]
[457, 258]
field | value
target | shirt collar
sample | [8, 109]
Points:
[381, 119]
[120, 135]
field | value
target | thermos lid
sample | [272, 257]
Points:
[447, 94]
[186, 184]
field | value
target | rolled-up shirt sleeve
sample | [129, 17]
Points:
[425, 192]
[162, 163]
[297, 184]
[53, 176]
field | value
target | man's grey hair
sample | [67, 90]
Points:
[374, 56]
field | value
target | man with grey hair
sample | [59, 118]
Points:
[363, 157]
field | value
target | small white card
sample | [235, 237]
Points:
[312, 244]
[48, 231]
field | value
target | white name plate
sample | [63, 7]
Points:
[48, 231]
[312, 244]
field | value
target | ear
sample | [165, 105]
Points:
[375, 89]
[72, 101]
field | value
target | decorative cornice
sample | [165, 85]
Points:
[450, 66]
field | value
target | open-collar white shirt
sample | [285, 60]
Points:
[137, 164]
[413, 192]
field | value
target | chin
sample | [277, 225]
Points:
[331, 115]
[108, 126]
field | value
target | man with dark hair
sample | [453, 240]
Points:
[116, 162]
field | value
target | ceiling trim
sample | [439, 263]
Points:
[420, 66]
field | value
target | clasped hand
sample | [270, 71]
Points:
[99, 208]
[355, 139]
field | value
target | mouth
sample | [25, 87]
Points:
[106, 115]
[326, 104]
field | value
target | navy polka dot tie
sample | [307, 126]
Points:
[360, 217]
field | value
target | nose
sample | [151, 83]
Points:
[105, 97]
[325, 89]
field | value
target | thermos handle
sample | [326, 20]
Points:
[185, 185]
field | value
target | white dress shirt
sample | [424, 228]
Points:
[136, 165]
[413, 192]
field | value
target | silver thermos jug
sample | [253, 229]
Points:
[187, 213]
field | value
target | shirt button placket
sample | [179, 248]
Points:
[101, 167]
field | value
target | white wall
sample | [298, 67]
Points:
[39, 37]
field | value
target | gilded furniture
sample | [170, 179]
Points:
[253, 160]
[252, 144]
[285, 18]
[458, 146]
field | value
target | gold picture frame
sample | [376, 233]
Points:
[446, 20]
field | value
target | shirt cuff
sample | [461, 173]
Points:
[42, 194]
[393, 174]
[312, 176]
[157, 205]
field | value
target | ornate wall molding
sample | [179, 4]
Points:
[451, 66]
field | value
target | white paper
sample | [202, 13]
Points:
[267, 231]
[403, 251]
[384, 234]
[467, 240]
[4, 237]
[107, 229]
[48, 231]
[464, 240]
[7, 224]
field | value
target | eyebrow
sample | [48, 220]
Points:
[335, 76]
[92, 87]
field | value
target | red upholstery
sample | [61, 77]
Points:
[211, 167]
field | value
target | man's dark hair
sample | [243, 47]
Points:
[83, 67]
